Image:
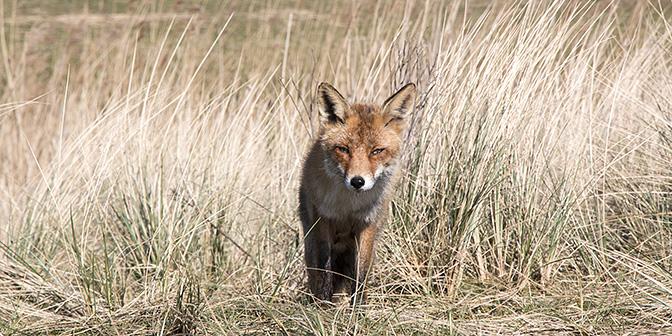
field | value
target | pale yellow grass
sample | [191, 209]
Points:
[150, 158]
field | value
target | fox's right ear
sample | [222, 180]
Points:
[401, 104]
[332, 105]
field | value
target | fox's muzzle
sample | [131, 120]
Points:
[359, 183]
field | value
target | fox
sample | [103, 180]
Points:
[347, 177]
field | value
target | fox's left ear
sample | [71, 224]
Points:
[401, 104]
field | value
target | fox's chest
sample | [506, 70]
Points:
[343, 204]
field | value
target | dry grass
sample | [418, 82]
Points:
[151, 151]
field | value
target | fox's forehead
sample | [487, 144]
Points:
[365, 110]
[365, 122]
[364, 126]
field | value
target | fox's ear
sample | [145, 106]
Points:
[332, 105]
[401, 104]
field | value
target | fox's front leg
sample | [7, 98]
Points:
[365, 242]
[318, 245]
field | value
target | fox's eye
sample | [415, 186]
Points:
[342, 149]
[377, 151]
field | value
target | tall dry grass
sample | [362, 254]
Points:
[150, 159]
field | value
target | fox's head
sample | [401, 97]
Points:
[361, 142]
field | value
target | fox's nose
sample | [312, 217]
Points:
[357, 182]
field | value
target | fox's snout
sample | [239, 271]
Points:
[357, 182]
[360, 183]
[359, 170]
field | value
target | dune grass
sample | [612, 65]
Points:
[151, 154]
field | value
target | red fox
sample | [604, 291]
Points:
[347, 176]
